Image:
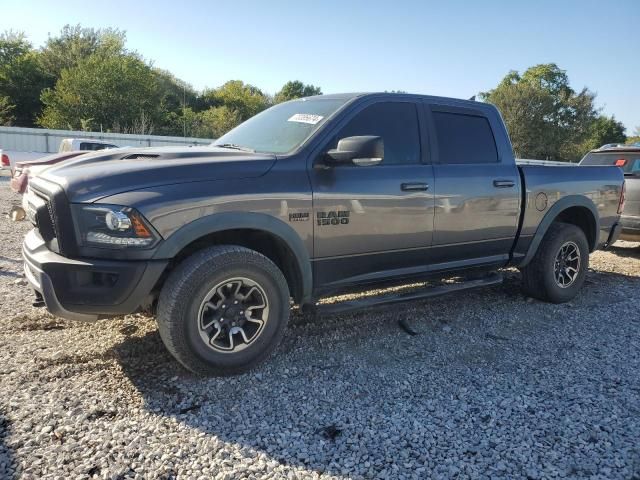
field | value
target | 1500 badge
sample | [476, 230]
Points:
[339, 217]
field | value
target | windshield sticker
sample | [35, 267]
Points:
[309, 118]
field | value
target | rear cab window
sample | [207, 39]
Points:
[95, 146]
[464, 138]
[629, 162]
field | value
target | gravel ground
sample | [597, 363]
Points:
[492, 385]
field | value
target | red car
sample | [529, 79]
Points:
[24, 170]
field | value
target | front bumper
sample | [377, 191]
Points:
[87, 289]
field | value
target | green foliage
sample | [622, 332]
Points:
[525, 109]
[85, 78]
[245, 99]
[546, 118]
[177, 101]
[117, 93]
[604, 130]
[296, 89]
[6, 112]
[21, 77]
[217, 121]
[635, 138]
[75, 44]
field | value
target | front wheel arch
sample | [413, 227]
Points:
[266, 235]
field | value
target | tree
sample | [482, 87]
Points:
[176, 96]
[21, 78]
[636, 136]
[217, 121]
[546, 118]
[117, 93]
[245, 99]
[525, 109]
[75, 44]
[6, 109]
[296, 89]
[604, 130]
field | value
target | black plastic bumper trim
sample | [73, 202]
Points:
[43, 266]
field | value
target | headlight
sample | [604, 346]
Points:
[113, 226]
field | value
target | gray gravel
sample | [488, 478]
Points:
[493, 385]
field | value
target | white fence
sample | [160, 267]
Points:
[42, 140]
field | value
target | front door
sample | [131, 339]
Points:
[370, 219]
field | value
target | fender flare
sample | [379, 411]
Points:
[219, 222]
[552, 214]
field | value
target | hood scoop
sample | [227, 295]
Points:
[140, 155]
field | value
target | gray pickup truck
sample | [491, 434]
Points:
[309, 198]
[627, 158]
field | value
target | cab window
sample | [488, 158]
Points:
[396, 123]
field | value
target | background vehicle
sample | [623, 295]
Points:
[69, 148]
[627, 157]
[83, 144]
[27, 169]
[10, 158]
[306, 199]
[5, 163]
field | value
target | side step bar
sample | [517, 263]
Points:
[429, 292]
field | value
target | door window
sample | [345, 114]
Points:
[396, 123]
[464, 138]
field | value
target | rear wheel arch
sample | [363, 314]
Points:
[583, 218]
[576, 210]
[259, 232]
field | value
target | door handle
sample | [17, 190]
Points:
[503, 183]
[414, 187]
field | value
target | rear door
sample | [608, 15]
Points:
[477, 188]
[370, 220]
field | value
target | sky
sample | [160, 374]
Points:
[450, 48]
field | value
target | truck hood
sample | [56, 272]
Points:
[92, 177]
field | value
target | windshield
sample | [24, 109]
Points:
[284, 127]
[629, 162]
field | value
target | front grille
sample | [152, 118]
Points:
[40, 212]
[46, 223]
[52, 217]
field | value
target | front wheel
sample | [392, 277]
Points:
[223, 310]
[558, 269]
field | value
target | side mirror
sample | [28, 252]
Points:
[364, 151]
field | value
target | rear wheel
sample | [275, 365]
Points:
[558, 269]
[223, 310]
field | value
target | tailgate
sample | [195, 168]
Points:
[632, 196]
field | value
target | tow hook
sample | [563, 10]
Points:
[39, 301]
[17, 214]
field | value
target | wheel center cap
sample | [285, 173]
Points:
[232, 311]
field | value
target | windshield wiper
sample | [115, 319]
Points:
[234, 146]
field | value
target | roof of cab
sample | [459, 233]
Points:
[349, 96]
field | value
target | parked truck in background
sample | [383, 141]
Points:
[12, 158]
[627, 158]
[307, 199]
[69, 148]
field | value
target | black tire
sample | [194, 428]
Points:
[181, 303]
[539, 276]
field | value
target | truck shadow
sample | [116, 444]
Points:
[6, 454]
[630, 252]
[335, 378]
